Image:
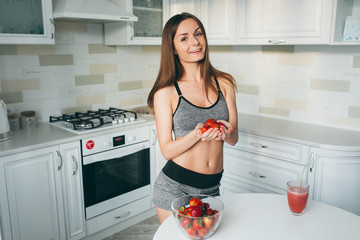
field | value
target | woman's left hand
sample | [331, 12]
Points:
[225, 131]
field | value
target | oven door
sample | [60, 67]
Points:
[116, 177]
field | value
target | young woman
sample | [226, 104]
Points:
[187, 92]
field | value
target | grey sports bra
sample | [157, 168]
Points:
[188, 115]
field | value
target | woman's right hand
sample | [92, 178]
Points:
[210, 134]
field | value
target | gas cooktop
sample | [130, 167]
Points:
[84, 122]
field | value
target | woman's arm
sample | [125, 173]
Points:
[230, 133]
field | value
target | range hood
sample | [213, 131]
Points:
[102, 11]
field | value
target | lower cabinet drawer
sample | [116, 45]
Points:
[118, 215]
[231, 186]
[256, 172]
[273, 148]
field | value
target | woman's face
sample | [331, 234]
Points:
[189, 42]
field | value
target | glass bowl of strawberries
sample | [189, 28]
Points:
[198, 216]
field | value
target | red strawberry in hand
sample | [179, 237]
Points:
[210, 121]
[220, 124]
[204, 129]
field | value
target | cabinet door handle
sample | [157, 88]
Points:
[124, 215]
[257, 175]
[132, 31]
[59, 160]
[259, 145]
[52, 28]
[277, 41]
[75, 165]
[153, 137]
[311, 162]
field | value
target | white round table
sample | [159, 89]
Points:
[267, 216]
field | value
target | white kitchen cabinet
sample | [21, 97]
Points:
[42, 194]
[283, 22]
[336, 178]
[217, 16]
[146, 31]
[343, 9]
[258, 164]
[26, 22]
[31, 196]
[72, 187]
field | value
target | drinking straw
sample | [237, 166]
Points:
[306, 165]
[302, 173]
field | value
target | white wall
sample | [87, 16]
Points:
[314, 84]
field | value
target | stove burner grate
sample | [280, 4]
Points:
[94, 119]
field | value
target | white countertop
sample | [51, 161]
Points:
[45, 135]
[254, 216]
[302, 133]
[325, 137]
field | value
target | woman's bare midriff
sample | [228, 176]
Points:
[204, 157]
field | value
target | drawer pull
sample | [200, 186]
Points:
[259, 145]
[124, 215]
[277, 41]
[257, 175]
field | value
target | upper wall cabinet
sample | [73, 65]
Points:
[342, 10]
[146, 31]
[217, 16]
[26, 22]
[283, 22]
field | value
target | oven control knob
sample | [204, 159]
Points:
[132, 138]
[107, 144]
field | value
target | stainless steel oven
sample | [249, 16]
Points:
[116, 170]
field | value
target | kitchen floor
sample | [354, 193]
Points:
[144, 230]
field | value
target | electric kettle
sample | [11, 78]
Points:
[5, 132]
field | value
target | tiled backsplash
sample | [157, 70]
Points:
[312, 84]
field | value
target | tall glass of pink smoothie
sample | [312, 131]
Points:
[297, 196]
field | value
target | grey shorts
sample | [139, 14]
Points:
[166, 190]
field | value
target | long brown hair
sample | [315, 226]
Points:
[171, 69]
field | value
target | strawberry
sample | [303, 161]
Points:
[210, 121]
[185, 222]
[202, 232]
[214, 125]
[196, 202]
[191, 231]
[198, 223]
[195, 211]
[209, 212]
[206, 205]
[207, 221]
[204, 128]
[181, 210]
[220, 124]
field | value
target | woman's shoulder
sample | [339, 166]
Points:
[167, 94]
[225, 83]
[166, 91]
